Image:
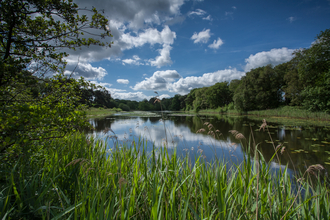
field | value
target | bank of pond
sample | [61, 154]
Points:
[202, 167]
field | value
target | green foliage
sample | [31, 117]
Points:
[293, 84]
[146, 106]
[33, 108]
[259, 89]
[124, 107]
[314, 71]
[175, 106]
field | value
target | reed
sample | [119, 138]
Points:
[79, 178]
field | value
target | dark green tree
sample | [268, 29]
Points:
[175, 105]
[314, 72]
[261, 88]
[124, 107]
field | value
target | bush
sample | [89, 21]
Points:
[124, 107]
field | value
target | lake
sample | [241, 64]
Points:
[212, 137]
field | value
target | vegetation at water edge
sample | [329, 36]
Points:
[78, 178]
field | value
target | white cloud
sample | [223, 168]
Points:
[135, 12]
[134, 61]
[201, 13]
[151, 36]
[164, 96]
[274, 57]
[164, 58]
[208, 18]
[159, 81]
[166, 80]
[137, 96]
[216, 44]
[184, 85]
[198, 12]
[121, 93]
[85, 70]
[130, 24]
[123, 81]
[201, 37]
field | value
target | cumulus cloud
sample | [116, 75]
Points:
[274, 57]
[123, 81]
[172, 81]
[164, 96]
[201, 37]
[164, 58]
[122, 93]
[85, 70]
[136, 96]
[134, 61]
[216, 44]
[159, 81]
[184, 85]
[130, 24]
[135, 12]
[151, 36]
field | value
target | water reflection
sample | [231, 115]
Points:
[304, 146]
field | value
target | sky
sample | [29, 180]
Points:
[174, 46]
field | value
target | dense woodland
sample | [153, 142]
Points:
[303, 81]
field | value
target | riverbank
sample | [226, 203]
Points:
[285, 114]
[100, 112]
[79, 178]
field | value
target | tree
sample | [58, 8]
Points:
[293, 85]
[261, 88]
[124, 107]
[33, 36]
[314, 72]
[175, 105]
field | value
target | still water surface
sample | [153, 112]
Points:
[304, 145]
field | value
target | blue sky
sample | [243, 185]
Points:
[173, 46]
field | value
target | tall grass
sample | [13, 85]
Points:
[80, 179]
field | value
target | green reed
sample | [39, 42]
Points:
[78, 178]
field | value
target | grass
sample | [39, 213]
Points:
[99, 112]
[291, 112]
[79, 178]
[286, 115]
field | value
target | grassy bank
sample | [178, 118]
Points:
[99, 112]
[281, 112]
[76, 178]
[291, 112]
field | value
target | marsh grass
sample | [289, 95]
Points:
[79, 178]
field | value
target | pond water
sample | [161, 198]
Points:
[304, 145]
